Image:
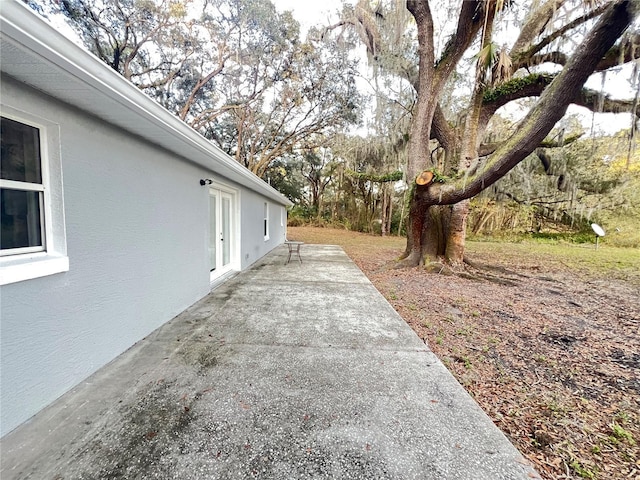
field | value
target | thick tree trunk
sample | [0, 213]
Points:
[384, 224]
[436, 231]
[427, 231]
[389, 213]
[454, 252]
[416, 225]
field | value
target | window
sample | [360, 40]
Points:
[266, 221]
[32, 238]
[21, 189]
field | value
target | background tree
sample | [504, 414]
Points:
[584, 182]
[235, 70]
[370, 172]
[318, 168]
[313, 99]
[284, 175]
[124, 34]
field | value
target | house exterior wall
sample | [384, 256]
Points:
[254, 246]
[137, 242]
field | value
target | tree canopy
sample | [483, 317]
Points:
[235, 70]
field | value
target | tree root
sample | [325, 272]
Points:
[493, 268]
[439, 268]
[468, 269]
[409, 261]
[482, 274]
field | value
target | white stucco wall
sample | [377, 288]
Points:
[137, 236]
[254, 246]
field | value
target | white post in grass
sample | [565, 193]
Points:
[598, 231]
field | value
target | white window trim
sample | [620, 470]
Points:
[29, 265]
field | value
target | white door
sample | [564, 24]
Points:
[222, 240]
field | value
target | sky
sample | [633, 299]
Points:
[310, 12]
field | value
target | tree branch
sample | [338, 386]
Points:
[511, 90]
[596, 102]
[627, 51]
[550, 108]
[488, 148]
[421, 12]
[469, 24]
[523, 56]
[535, 85]
[441, 130]
[533, 27]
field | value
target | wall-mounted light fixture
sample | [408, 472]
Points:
[205, 181]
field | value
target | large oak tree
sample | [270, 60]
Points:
[560, 44]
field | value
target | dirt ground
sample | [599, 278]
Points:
[549, 351]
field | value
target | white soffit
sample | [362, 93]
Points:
[36, 54]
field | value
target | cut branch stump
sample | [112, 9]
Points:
[425, 178]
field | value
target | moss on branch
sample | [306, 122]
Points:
[438, 177]
[371, 177]
[515, 85]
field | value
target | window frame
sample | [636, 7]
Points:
[25, 263]
[266, 221]
[24, 186]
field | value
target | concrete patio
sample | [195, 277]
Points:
[284, 372]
